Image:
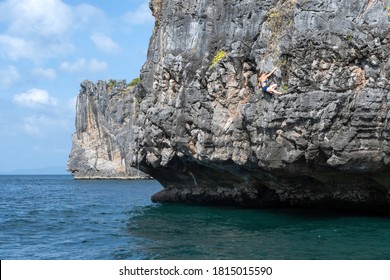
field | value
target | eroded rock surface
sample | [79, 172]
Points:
[104, 142]
[208, 134]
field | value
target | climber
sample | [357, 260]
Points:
[263, 82]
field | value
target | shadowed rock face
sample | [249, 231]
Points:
[103, 142]
[208, 134]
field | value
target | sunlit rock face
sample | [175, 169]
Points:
[208, 134]
[103, 144]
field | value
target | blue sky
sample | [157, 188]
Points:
[47, 47]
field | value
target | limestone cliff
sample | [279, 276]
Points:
[104, 142]
[199, 125]
[207, 133]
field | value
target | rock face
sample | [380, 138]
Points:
[209, 136]
[104, 142]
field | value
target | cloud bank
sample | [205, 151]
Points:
[84, 65]
[105, 43]
[35, 98]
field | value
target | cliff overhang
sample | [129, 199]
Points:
[204, 130]
[208, 134]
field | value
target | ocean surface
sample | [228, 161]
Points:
[56, 217]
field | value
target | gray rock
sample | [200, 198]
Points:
[209, 136]
[103, 143]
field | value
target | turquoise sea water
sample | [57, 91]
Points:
[56, 217]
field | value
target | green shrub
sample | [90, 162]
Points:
[218, 57]
[111, 83]
[280, 21]
[135, 82]
[284, 88]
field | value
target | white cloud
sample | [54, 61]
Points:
[15, 48]
[37, 124]
[37, 30]
[142, 15]
[35, 98]
[42, 18]
[9, 76]
[31, 128]
[83, 65]
[48, 73]
[105, 43]
[50, 122]
[89, 16]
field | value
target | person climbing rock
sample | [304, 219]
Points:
[263, 82]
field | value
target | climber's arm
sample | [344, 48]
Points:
[271, 73]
